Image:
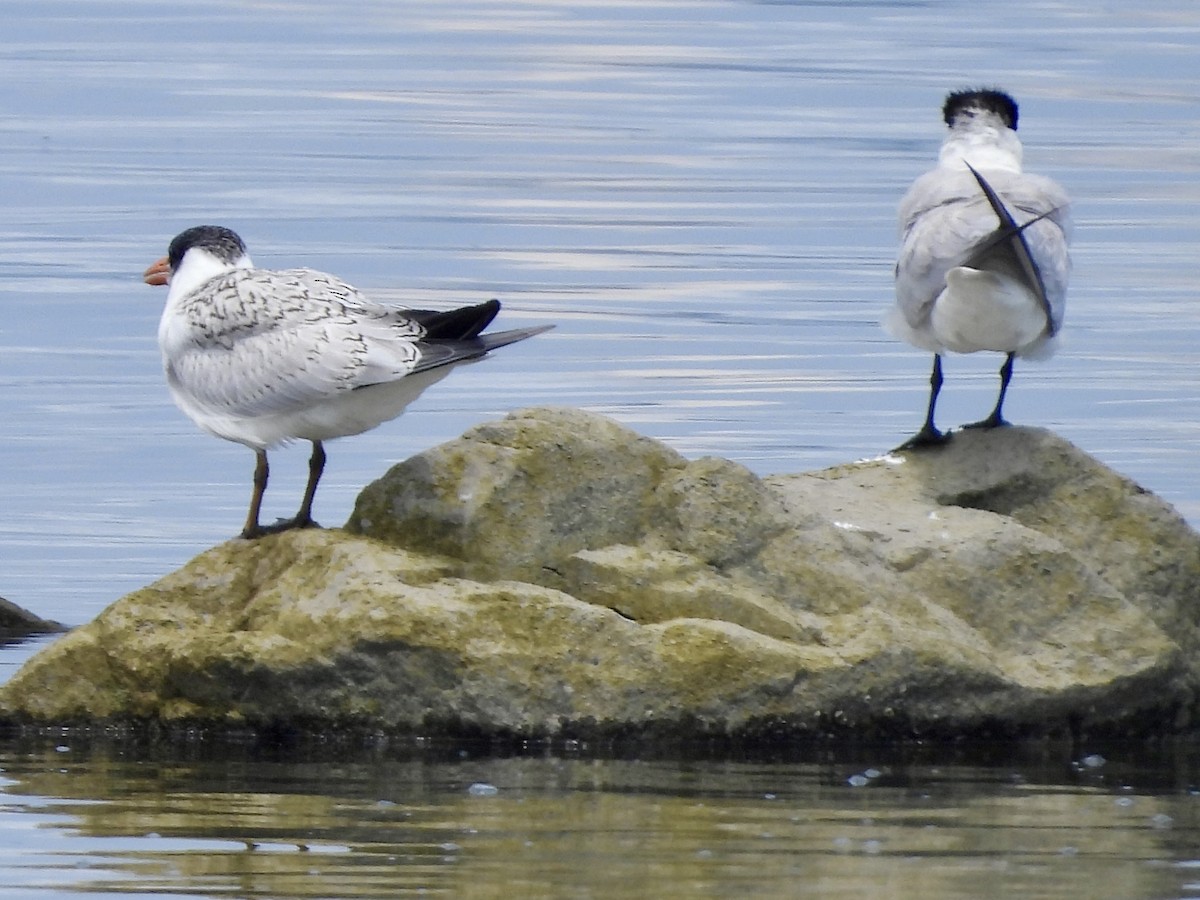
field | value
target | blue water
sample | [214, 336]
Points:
[700, 195]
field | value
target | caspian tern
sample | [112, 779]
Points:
[983, 262]
[263, 357]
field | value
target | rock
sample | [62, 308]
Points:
[511, 497]
[16, 622]
[555, 574]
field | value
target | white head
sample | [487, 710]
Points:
[195, 256]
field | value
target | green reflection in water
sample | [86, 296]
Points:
[336, 821]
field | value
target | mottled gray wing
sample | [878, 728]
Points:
[265, 341]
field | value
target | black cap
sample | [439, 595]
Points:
[990, 100]
[222, 242]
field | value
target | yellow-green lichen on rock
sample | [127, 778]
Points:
[553, 573]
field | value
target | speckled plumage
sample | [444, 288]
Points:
[263, 357]
[248, 347]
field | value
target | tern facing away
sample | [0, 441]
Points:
[263, 357]
[983, 262]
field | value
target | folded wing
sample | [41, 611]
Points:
[264, 342]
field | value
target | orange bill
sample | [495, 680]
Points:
[159, 273]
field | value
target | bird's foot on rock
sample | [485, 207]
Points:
[281, 525]
[927, 437]
[993, 421]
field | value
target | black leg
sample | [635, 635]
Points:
[261, 472]
[996, 418]
[316, 465]
[303, 519]
[929, 436]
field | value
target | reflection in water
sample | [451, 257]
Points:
[346, 822]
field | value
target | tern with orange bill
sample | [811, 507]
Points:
[263, 357]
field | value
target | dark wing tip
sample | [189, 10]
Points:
[998, 207]
[460, 324]
[435, 353]
[504, 338]
[1013, 236]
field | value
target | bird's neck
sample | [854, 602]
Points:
[984, 146]
[197, 268]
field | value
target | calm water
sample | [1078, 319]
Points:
[393, 821]
[701, 195]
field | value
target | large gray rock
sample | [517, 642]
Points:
[554, 573]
